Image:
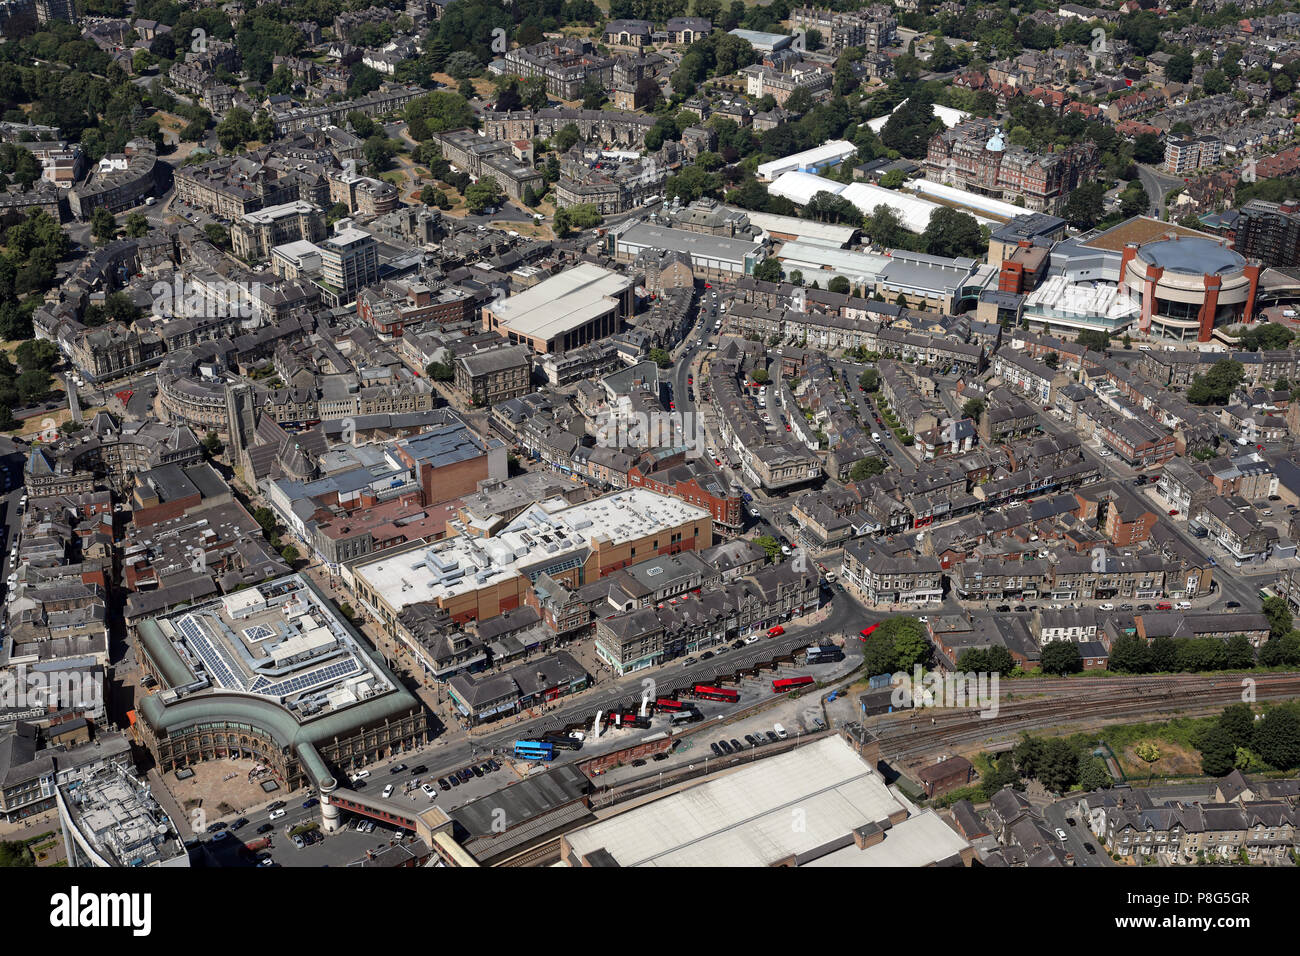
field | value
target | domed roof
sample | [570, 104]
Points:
[996, 144]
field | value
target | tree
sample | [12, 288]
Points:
[289, 553]
[1086, 205]
[137, 225]
[867, 467]
[103, 224]
[1180, 66]
[909, 639]
[1216, 385]
[1095, 340]
[1277, 739]
[769, 270]
[212, 444]
[33, 386]
[483, 194]
[1130, 655]
[1218, 752]
[1059, 767]
[1240, 653]
[761, 376]
[999, 660]
[838, 285]
[1061, 657]
[1239, 721]
[869, 380]
[973, 409]
[16, 853]
[770, 545]
[1093, 774]
[440, 371]
[661, 358]
[235, 128]
[37, 354]
[1268, 336]
[951, 233]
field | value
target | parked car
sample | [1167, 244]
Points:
[443, 784]
[775, 631]
[717, 751]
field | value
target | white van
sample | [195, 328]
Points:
[1184, 605]
[875, 436]
[779, 731]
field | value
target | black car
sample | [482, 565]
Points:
[467, 775]
[453, 780]
[717, 751]
[749, 739]
[660, 757]
[707, 655]
[476, 771]
[736, 745]
[1069, 821]
[1092, 850]
[726, 747]
[359, 785]
[397, 768]
[772, 737]
[493, 766]
[277, 805]
[1144, 607]
[217, 827]
[1233, 604]
[419, 770]
[266, 828]
[1021, 608]
[1126, 607]
[737, 645]
[239, 824]
[638, 763]
[1004, 608]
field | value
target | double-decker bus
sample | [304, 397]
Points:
[534, 750]
[686, 717]
[706, 692]
[669, 704]
[791, 683]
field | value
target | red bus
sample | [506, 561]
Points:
[669, 704]
[791, 683]
[705, 692]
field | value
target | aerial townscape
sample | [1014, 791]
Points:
[633, 433]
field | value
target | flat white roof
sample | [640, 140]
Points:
[803, 228]
[547, 533]
[805, 256]
[271, 213]
[799, 187]
[835, 151]
[917, 841]
[744, 818]
[914, 210]
[562, 302]
[962, 197]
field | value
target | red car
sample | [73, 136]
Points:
[775, 631]
[672, 406]
[690, 379]
[718, 463]
[1259, 448]
[787, 426]
[1173, 512]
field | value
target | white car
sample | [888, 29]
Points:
[1106, 607]
[277, 814]
[752, 639]
[1060, 833]
[430, 790]
[577, 735]
[388, 791]
[753, 512]
[785, 549]
[359, 775]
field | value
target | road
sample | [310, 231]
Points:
[1157, 186]
[1077, 836]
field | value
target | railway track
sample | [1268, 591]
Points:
[544, 854]
[967, 726]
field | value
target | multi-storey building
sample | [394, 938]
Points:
[975, 156]
[1187, 154]
[566, 65]
[253, 235]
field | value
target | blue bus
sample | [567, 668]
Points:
[534, 750]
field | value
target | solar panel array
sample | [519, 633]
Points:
[217, 664]
[300, 682]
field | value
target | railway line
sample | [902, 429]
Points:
[908, 739]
